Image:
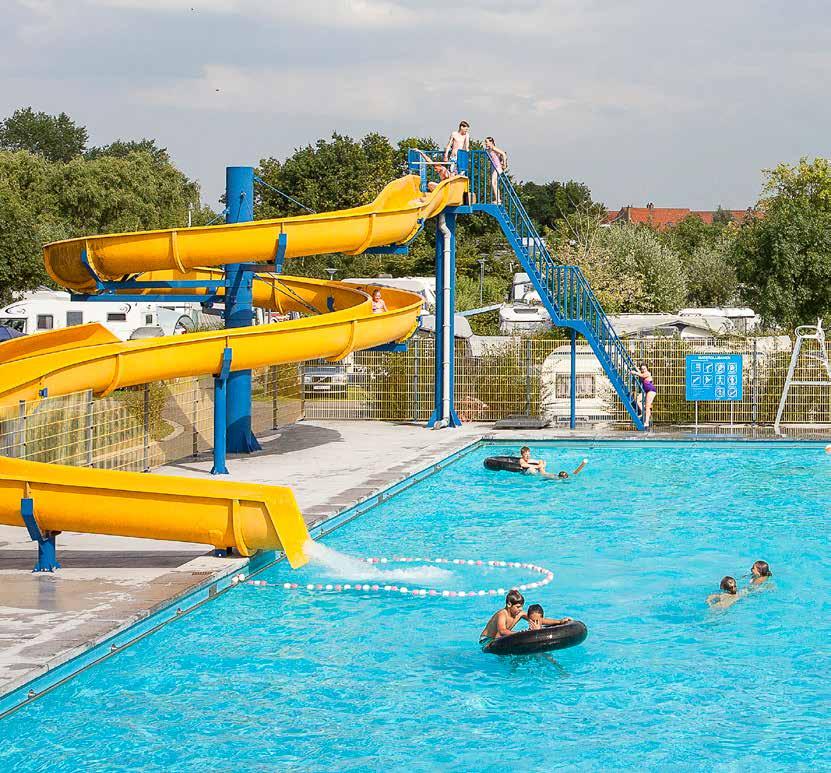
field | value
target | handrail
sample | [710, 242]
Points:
[567, 287]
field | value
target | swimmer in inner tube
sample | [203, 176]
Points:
[537, 466]
[536, 618]
[502, 622]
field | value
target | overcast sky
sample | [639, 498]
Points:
[678, 103]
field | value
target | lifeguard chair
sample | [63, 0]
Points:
[804, 333]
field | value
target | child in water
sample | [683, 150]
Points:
[502, 622]
[536, 618]
[537, 466]
[728, 596]
[760, 572]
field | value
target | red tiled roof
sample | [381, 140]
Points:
[664, 217]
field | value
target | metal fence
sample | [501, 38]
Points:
[531, 377]
[141, 427]
[148, 426]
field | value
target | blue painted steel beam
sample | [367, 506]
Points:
[389, 249]
[573, 394]
[47, 550]
[239, 312]
[389, 348]
[148, 298]
[220, 407]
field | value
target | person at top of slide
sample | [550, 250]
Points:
[649, 391]
[378, 304]
[503, 621]
[499, 162]
[459, 140]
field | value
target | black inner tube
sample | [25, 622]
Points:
[506, 463]
[551, 637]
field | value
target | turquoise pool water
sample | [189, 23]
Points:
[265, 679]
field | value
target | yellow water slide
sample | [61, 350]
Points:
[224, 514]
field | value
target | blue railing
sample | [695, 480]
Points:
[564, 290]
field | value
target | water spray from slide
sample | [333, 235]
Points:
[357, 569]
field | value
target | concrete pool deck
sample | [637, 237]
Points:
[109, 583]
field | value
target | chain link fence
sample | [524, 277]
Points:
[142, 427]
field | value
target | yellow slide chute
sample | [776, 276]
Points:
[224, 514]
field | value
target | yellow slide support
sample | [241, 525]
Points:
[246, 517]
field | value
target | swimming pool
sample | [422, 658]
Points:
[264, 678]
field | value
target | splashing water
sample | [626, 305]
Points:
[351, 568]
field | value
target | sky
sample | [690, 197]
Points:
[680, 104]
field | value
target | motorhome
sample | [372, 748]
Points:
[742, 319]
[523, 318]
[43, 310]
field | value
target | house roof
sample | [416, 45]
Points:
[664, 217]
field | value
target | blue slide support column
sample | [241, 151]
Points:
[444, 412]
[239, 312]
[573, 391]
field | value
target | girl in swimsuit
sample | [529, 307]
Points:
[378, 305]
[499, 162]
[649, 392]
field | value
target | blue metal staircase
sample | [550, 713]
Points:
[563, 290]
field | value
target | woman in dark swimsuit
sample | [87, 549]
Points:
[649, 392]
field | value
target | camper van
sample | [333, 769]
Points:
[43, 310]
[523, 318]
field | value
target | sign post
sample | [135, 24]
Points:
[713, 378]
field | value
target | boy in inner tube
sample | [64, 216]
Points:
[503, 621]
[530, 466]
[536, 618]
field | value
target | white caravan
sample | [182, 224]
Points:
[44, 310]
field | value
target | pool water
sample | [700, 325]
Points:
[267, 678]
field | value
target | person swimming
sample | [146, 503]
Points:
[537, 619]
[760, 572]
[728, 596]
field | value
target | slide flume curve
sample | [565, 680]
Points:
[246, 517]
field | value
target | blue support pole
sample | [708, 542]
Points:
[47, 550]
[444, 412]
[220, 414]
[239, 312]
[573, 391]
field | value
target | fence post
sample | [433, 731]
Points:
[194, 415]
[528, 359]
[275, 394]
[147, 427]
[21, 429]
[754, 386]
[90, 421]
[416, 348]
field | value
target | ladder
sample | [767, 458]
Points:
[804, 333]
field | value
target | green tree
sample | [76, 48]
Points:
[21, 263]
[549, 204]
[55, 137]
[783, 255]
[123, 148]
[710, 275]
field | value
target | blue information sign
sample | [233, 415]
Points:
[714, 377]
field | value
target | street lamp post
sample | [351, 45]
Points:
[331, 272]
[481, 281]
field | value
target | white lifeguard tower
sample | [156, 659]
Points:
[804, 333]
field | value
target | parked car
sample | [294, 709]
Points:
[325, 379]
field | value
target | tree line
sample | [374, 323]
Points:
[778, 259]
